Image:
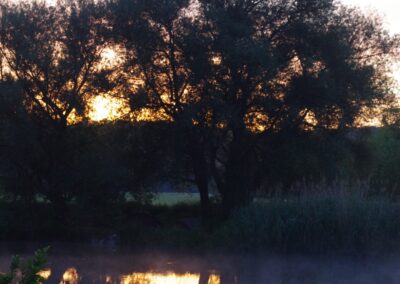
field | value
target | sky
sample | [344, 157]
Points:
[388, 8]
[390, 11]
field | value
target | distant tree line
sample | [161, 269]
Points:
[246, 95]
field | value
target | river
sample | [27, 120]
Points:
[74, 263]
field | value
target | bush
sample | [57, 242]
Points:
[385, 165]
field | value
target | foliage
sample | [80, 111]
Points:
[321, 156]
[385, 160]
[238, 72]
[56, 68]
[316, 222]
[316, 219]
[56, 71]
[26, 272]
[241, 95]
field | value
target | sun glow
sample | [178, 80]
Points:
[111, 57]
[105, 108]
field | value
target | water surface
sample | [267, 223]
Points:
[73, 264]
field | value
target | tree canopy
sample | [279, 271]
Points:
[230, 74]
[232, 79]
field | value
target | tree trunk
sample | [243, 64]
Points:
[202, 185]
[238, 177]
[201, 179]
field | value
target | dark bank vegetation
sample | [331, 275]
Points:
[334, 221]
[27, 271]
[244, 101]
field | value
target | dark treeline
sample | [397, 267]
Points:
[248, 96]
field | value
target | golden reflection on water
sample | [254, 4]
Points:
[214, 279]
[71, 276]
[45, 273]
[167, 278]
[155, 278]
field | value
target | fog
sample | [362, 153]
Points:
[98, 265]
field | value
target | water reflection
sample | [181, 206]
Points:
[45, 273]
[71, 276]
[75, 264]
[167, 278]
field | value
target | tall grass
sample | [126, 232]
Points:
[337, 219]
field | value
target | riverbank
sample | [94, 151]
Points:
[313, 223]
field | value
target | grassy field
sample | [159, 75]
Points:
[174, 198]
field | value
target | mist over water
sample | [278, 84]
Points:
[82, 264]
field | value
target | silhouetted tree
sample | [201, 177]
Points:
[153, 34]
[17, 142]
[289, 66]
[232, 74]
[53, 54]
